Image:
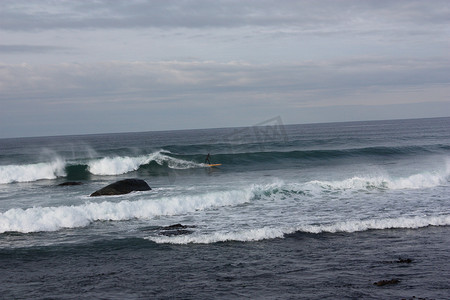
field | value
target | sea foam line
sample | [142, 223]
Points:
[265, 233]
[37, 219]
[249, 235]
[378, 224]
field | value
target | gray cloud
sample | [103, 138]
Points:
[205, 63]
[313, 83]
[13, 49]
[308, 15]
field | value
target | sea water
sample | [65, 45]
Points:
[294, 211]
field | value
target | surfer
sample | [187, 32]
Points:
[207, 159]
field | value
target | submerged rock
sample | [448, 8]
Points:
[386, 282]
[122, 187]
[69, 183]
[175, 226]
[400, 261]
[404, 261]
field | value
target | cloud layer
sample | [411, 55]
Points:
[27, 15]
[237, 62]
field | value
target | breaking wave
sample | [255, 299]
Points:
[357, 183]
[266, 233]
[115, 165]
[38, 219]
[415, 181]
[124, 164]
[32, 172]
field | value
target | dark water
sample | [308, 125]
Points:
[300, 266]
[318, 211]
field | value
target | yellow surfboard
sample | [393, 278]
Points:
[214, 165]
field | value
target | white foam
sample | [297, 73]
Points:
[124, 164]
[418, 181]
[385, 223]
[117, 165]
[251, 235]
[352, 184]
[415, 181]
[32, 172]
[54, 218]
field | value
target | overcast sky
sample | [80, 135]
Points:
[76, 67]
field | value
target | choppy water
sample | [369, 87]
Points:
[299, 211]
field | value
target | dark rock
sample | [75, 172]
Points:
[175, 226]
[400, 261]
[176, 229]
[386, 282]
[69, 183]
[122, 187]
[176, 232]
[404, 261]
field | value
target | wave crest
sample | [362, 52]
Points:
[124, 164]
[32, 172]
[116, 165]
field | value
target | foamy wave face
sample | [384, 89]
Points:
[117, 165]
[123, 164]
[356, 183]
[353, 184]
[54, 218]
[364, 225]
[32, 172]
[416, 181]
[252, 235]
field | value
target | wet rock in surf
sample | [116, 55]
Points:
[69, 183]
[176, 229]
[122, 187]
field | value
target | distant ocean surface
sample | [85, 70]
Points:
[319, 211]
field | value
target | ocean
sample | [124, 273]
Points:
[356, 210]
